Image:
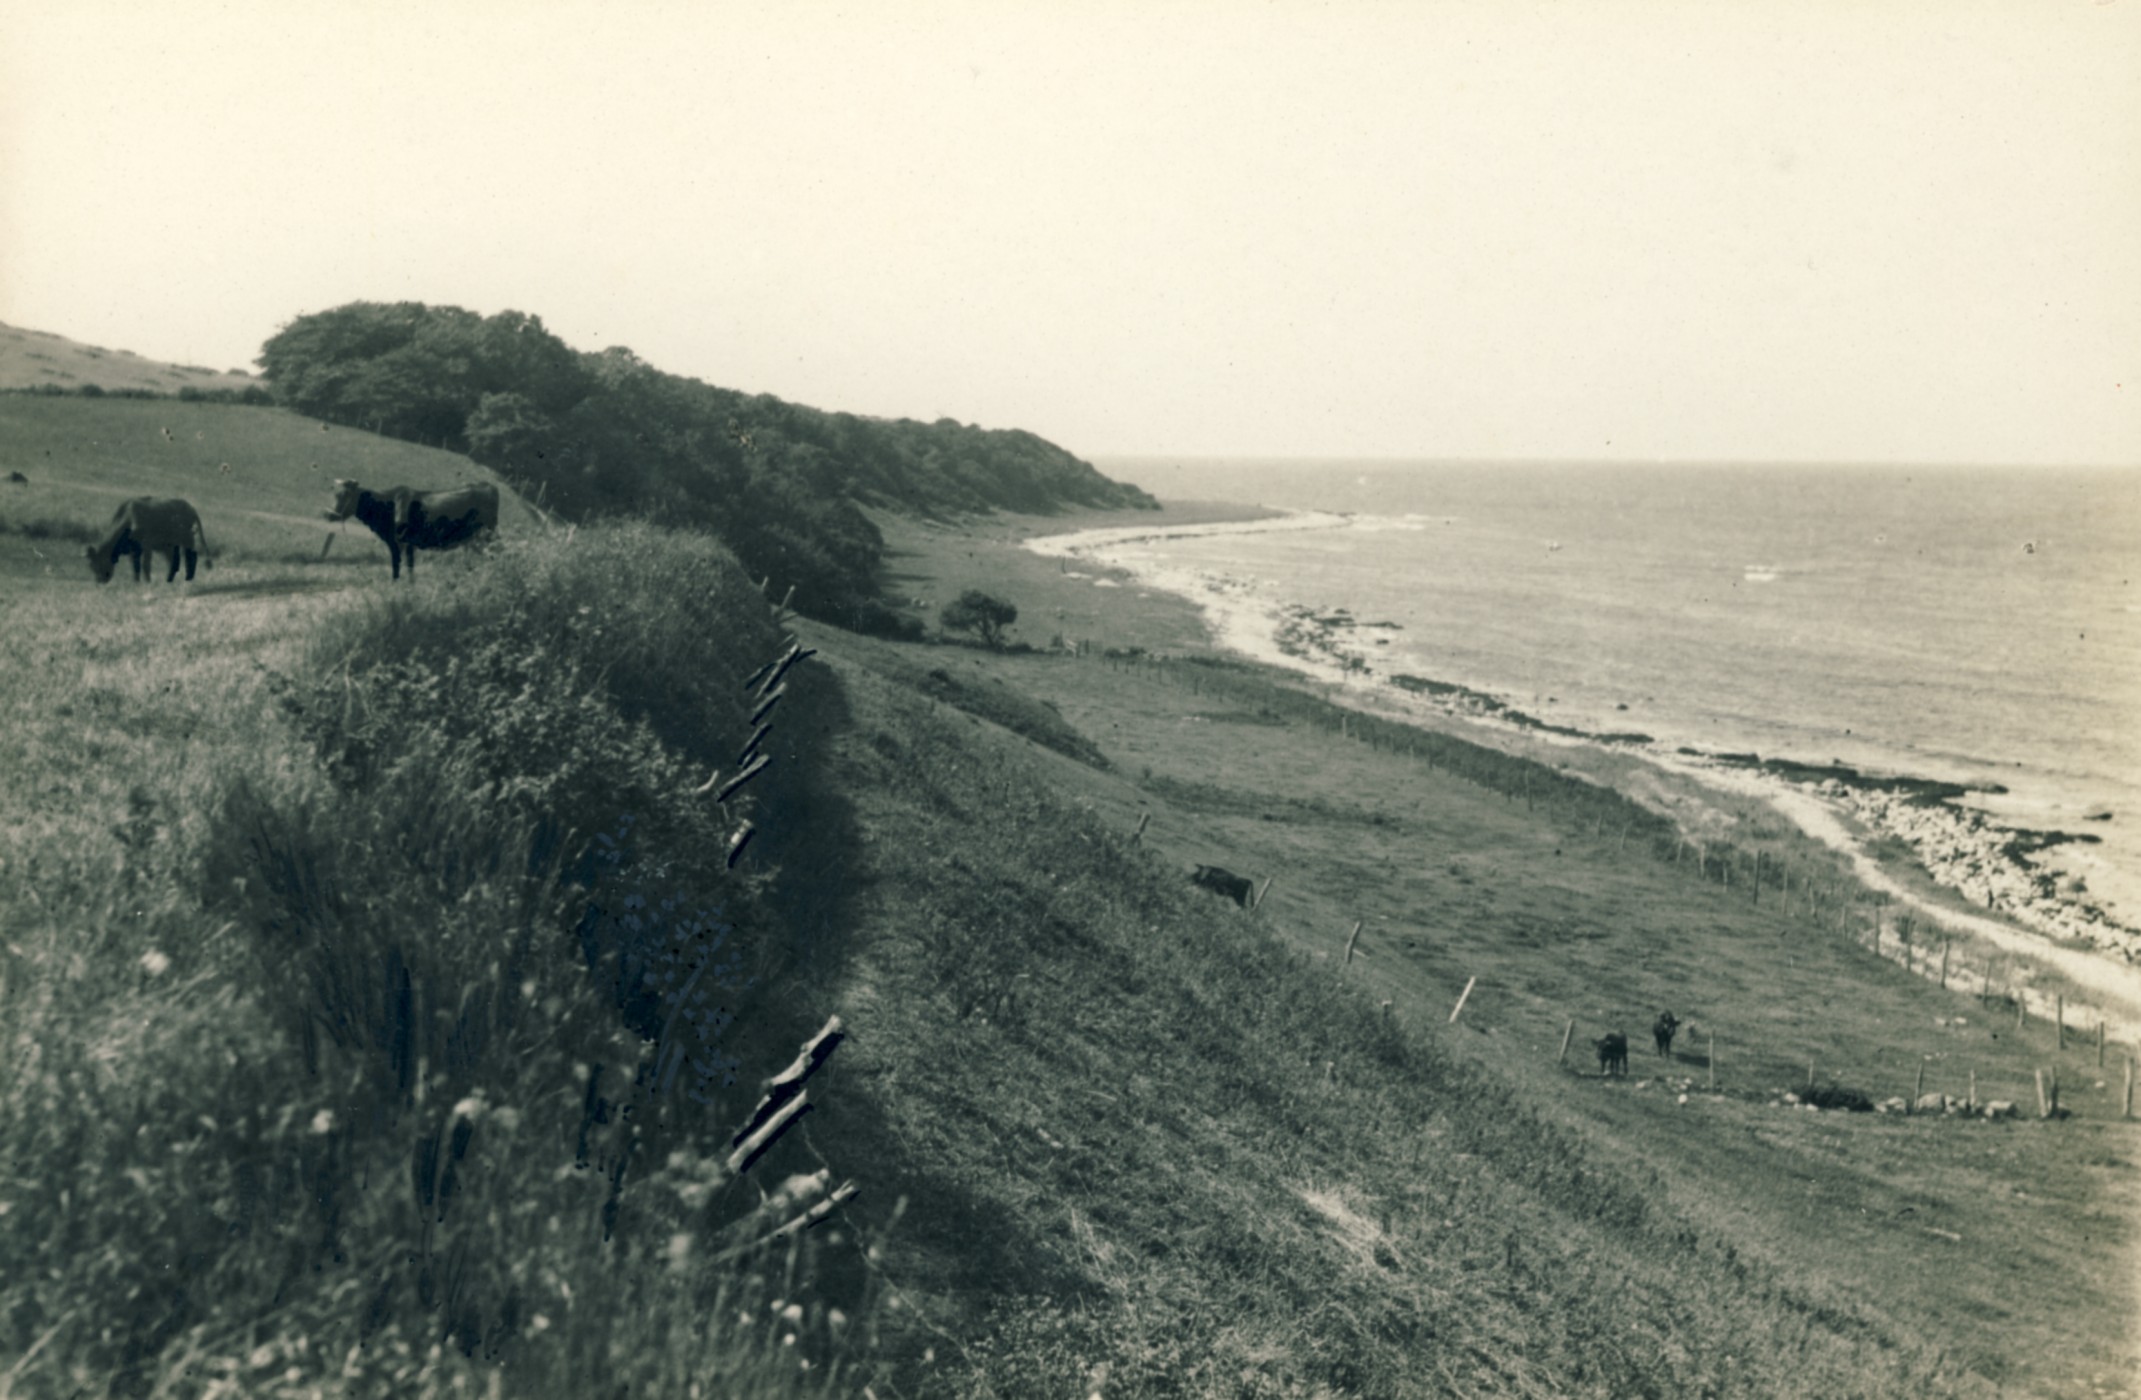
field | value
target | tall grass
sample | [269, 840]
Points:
[396, 1044]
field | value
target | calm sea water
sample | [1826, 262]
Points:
[1976, 624]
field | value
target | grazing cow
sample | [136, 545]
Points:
[144, 525]
[1612, 1054]
[1238, 888]
[407, 520]
[17, 479]
[1662, 1031]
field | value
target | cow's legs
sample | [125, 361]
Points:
[172, 572]
[192, 557]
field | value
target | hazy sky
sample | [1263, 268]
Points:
[1856, 231]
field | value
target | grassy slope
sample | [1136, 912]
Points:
[30, 359]
[2011, 1247]
[260, 477]
[1132, 1130]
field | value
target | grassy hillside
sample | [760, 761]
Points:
[2008, 1247]
[42, 360]
[260, 477]
[350, 943]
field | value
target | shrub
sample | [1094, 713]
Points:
[976, 611]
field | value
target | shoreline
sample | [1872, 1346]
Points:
[2030, 910]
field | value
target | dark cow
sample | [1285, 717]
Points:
[17, 479]
[1662, 1031]
[1612, 1054]
[407, 520]
[1238, 888]
[144, 525]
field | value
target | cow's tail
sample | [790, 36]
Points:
[200, 534]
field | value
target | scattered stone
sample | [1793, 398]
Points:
[2000, 1108]
[1930, 1103]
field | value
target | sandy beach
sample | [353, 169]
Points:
[2034, 915]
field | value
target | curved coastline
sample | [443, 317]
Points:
[1980, 860]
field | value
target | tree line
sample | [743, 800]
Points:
[603, 433]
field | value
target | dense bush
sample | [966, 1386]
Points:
[601, 434]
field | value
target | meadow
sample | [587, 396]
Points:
[262, 479]
[352, 938]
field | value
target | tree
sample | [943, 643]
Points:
[976, 611]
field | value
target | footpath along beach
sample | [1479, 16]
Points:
[2024, 929]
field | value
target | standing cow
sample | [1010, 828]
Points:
[1662, 1031]
[144, 525]
[407, 520]
[1612, 1054]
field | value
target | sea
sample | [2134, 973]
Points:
[1975, 625]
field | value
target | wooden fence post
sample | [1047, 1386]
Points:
[2021, 1009]
[1563, 1057]
[2100, 1041]
[1258, 902]
[1712, 1057]
[1351, 939]
[1461, 1000]
[1943, 964]
[1137, 837]
[2059, 1041]
[2044, 1105]
[1973, 1089]
[2128, 1110]
[1918, 1087]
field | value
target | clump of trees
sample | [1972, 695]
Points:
[981, 613]
[591, 434]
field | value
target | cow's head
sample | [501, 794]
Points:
[101, 558]
[346, 494]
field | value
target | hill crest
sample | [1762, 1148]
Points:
[46, 360]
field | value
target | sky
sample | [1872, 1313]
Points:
[1772, 230]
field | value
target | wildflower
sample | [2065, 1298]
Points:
[539, 1322]
[470, 1108]
[155, 963]
[678, 1251]
[323, 1122]
[792, 1314]
[263, 1355]
[837, 1319]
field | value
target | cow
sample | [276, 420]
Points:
[407, 520]
[1219, 881]
[144, 525]
[1662, 1031]
[17, 479]
[1612, 1054]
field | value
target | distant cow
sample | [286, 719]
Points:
[17, 479]
[144, 525]
[1238, 888]
[407, 520]
[1612, 1054]
[1662, 1031]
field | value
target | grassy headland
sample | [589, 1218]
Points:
[348, 1045]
